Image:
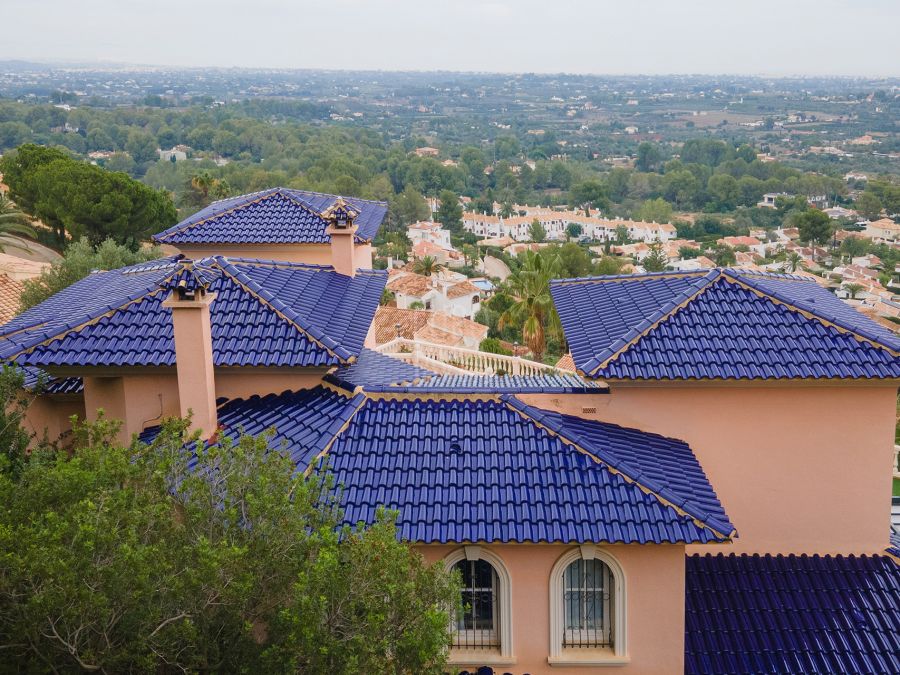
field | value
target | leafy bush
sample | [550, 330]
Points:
[120, 559]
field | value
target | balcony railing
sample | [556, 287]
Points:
[458, 360]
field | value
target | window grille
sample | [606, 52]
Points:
[478, 623]
[587, 609]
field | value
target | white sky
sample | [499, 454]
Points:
[775, 37]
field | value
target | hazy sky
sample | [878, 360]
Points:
[778, 37]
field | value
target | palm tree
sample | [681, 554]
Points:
[427, 266]
[533, 309]
[853, 289]
[791, 261]
[12, 222]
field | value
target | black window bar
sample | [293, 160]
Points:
[478, 623]
[587, 598]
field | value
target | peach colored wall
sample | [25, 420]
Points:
[314, 254]
[654, 606]
[139, 401]
[193, 354]
[799, 468]
[51, 415]
[142, 400]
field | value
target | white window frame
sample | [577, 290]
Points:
[502, 608]
[581, 656]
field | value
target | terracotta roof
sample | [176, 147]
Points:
[459, 325]
[410, 284]
[441, 328]
[462, 289]
[438, 336]
[386, 319]
[10, 290]
[566, 363]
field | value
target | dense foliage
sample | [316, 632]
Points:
[78, 199]
[120, 559]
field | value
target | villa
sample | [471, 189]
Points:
[708, 493]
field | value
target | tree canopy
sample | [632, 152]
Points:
[78, 199]
[120, 559]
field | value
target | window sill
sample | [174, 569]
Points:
[485, 657]
[594, 658]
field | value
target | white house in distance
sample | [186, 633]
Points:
[555, 224]
[447, 292]
[883, 231]
[430, 239]
[426, 230]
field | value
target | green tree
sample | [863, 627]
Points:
[723, 255]
[407, 207]
[854, 246]
[591, 193]
[656, 260]
[854, 289]
[791, 261]
[533, 308]
[79, 260]
[141, 145]
[648, 157]
[655, 211]
[493, 346]
[724, 190]
[815, 226]
[120, 559]
[81, 199]
[869, 205]
[608, 265]
[536, 231]
[450, 211]
[574, 230]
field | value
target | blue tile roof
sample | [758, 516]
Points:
[485, 470]
[719, 324]
[274, 216]
[51, 385]
[373, 370]
[264, 314]
[792, 614]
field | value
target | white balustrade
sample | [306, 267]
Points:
[459, 360]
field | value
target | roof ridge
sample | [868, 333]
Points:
[642, 328]
[245, 201]
[268, 299]
[90, 319]
[630, 474]
[827, 319]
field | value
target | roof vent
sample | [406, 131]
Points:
[455, 447]
[589, 410]
[340, 215]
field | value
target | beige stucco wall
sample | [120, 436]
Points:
[799, 468]
[314, 254]
[51, 415]
[139, 401]
[143, 400]
[654, 595]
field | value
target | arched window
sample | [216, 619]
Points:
[482, 623]
[587, 608]
[478, 620]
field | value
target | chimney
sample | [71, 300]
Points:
[190, 302]
[342, 231]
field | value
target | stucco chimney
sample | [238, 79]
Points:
[190, 303]
[342, 231]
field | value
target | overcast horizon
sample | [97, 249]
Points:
[649, 37]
